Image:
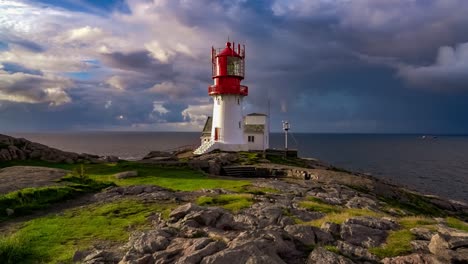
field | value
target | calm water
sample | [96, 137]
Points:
[437, 166]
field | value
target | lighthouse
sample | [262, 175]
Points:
[226, 129]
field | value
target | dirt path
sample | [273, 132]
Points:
[20, 177]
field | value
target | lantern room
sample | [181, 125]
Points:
[228, 70]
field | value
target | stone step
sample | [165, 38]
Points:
[240, 171]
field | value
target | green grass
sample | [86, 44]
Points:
[254, 190]
[14, 250]
[232, 202]
[314, 204]
[397, 243]
[457, 224]
[248, 158]
[176, 178]
[26, 200]
[417, 221]
[414, 204]
[333, 249]
[56, 238]
[344, 214]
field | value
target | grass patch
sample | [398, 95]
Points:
[56, 238]
[29, 199]
[13, 250]
[314, 204]
[254, 190]
[414, 204]
[232, 202]
[333, 249]
[417, 221]
[344, 214]
[457, 224]
[175, 178]
[398, 243]
[248, 158]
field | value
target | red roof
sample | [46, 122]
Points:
[228, 51]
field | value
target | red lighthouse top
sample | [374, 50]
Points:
[228, 70]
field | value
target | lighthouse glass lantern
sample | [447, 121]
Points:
[228, 70]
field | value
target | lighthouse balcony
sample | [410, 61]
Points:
[231, 89]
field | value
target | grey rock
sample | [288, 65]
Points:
[412, 259]
[323, 256]
[305, 215]
[308, 235]
[332, 228]
[302, 233]
[372, 222]
[422, 233]
[248, 253]
[207, 217]
[362, 203]
[356, 252]
[200, 248]
[80, 255]
[151, 241]
[364, 236]
[450, 247]
[126, 174]
[100, 257]
[9, 212]
[421, 246]
[181, 211]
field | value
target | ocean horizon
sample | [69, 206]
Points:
[436, 165]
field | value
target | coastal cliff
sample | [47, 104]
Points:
[176, 208]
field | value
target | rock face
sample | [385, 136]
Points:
[323, 256]
[366, 231]
[450, 246]
[126, 174]
[21, 149]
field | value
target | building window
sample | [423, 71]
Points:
[251, 138]
[240, 125]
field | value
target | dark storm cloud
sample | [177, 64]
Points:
[138, 61]
[14, 67]
[328, 66]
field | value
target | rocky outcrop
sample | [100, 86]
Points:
[323, 256]
[366, 231]
[450, 246]
[126, 174]
[21, 149]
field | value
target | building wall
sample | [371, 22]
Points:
[204, 139]
[259, 141]
[227, 115]
[256, 120]
[264, 143]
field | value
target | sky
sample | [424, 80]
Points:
[327, 66]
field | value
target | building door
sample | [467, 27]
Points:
[216, 135]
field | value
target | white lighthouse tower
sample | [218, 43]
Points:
[228, 129]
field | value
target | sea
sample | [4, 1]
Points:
[432, 164]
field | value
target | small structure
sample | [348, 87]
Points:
[228, 129]
[256, 131]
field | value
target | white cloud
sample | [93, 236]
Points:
[117, 82]
[197, 114]
[86, 33]
[450, 70]
[27, 88]
[158, 107]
